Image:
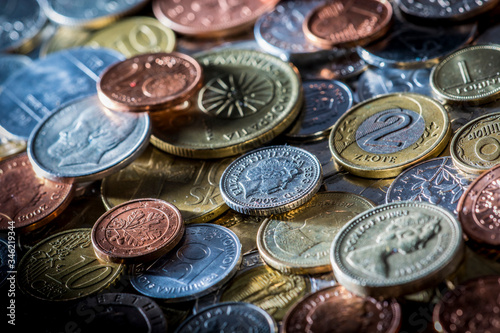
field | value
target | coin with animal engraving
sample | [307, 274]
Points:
[382, 136]
[397, 249]
[439, 11]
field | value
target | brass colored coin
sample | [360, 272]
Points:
[10, 147]
[64, 38]
[299, 241]
[475, 147]
[471, 75]
[248, 99]
[134, 36]
[191, 185]
[384, 135]
[64, 267]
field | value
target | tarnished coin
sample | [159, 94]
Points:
[397, 249]
[10, 63]
[207, 257]
[335, 309]
[470, 75]
[137, 231]
[152, 82]
[384, 135]
[229, 317]
[299, 241]
[271, 180]
[83, 141]
[445, 10]
[64, 267]
[64, 38]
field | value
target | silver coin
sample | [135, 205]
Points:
[343, 64]
[271, 180]
[436, 181]
[397, 249]
[321, 150]
[83, 141]
[207, 256]
[445, 9]
[10, 63]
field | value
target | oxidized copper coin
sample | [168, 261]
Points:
[210, 18]
[150, 82]
[471, 307]
[335, 309]
[479, 208]
[26, 199]
[346, 23]
[137, 231]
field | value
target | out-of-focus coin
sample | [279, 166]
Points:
[150, 82]
[299, 241]
[490, 36]
[343, 64]
[26, 199]
[134, 36]
[229, 317]
[64, 38]
[475, 147]
[271, 180]
[382, 136]
[248, 99]
[212, 255]
[445, 10]
[470, 307]
[10, 147]
[337, 309]
[83, 141]
[470, 75]
[210, 18]
[71, 74]
[347, 23]
[10, 63]
[397, 249]
[137, 231]
[64, 267]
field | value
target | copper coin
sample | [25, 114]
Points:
[347, 23]
[471, 307]
[479, 208]
[137, 231]
[26, 199]
[210, 18]
[150, 82]
[335, 309]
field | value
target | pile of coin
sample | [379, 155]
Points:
[293, 166]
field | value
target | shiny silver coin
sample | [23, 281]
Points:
[83, 141]
[271, 180]
[207, 256]
[321, 150]
[445, 10]
[10, 63]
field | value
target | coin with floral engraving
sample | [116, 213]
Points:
[271, 180]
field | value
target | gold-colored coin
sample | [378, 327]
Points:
[11, 147]
[64, 38]
[248, 99]
[299, 241]
[470, 75]
[191, 185]
[268, 289]
[133, 36]
[64, 267]
[384, 135]
[475, 147]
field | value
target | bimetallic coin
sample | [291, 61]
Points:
[64, 267]
[10, 63]
[445, 10]
[83, 141]
[299, 241]
[212, 255]
[137, 231]
[335, 309]
[229, 317]
[397, 249]
[271, 180]
[134, 36]
[64, 38]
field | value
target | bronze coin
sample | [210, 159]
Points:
[335, 309]
[479, 208]
[26, 200]
[137, 231]
[347, 23]
[150, 82]
[471, 307]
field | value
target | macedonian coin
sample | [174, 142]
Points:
[299, 241]
[397, 249]
[271, 180]
[207, 257]
[382, 136]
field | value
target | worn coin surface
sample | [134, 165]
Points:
[271, 180]
[445, 10]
